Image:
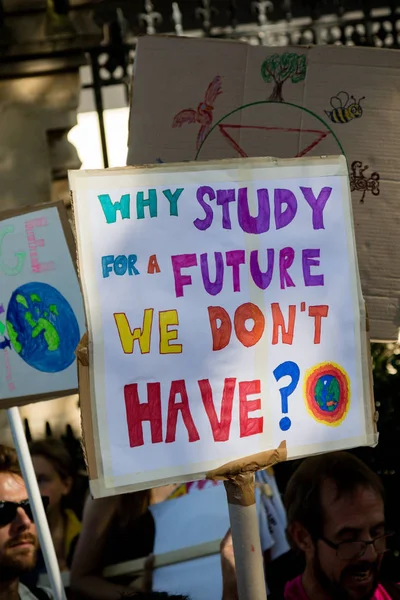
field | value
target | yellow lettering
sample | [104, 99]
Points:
[128, 337]
[167, 318]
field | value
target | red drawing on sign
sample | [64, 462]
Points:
[319, 136]
[204, 113]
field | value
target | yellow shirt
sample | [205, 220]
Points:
[72, 530]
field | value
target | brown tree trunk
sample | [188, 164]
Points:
[276, 95]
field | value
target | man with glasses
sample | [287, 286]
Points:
[18, 538]
[336, 518]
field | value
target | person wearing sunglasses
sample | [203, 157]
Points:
[18, 537]
[336, 519]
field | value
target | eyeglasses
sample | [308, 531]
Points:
[8, 510]
[357, 549]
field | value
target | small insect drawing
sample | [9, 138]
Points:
[204, 113]
[345, 108]
[358, 181]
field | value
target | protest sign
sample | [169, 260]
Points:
[41, 309]
[211, 99]
[225, 316]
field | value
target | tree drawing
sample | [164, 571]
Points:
[281, 67]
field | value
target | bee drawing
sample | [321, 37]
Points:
[345, 108]
[360, 183]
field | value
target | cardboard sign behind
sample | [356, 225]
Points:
[225, 316]
[41, 309]
[208, 99]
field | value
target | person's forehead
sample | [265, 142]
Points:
[12, 488]
[355, 509]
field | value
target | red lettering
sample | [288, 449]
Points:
[244, 312]
[179, 387]
[249, 426]
[279, 324]
[153, 266]
[137, 412]
[221, 427]
[221, 334]
[318, 312]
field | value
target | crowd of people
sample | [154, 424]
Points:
[334, 519]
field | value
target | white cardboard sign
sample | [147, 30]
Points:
[210, 99]
[41, 308]
[224, 312]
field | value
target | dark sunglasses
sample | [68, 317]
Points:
[8, 510]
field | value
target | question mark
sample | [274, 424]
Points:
[287, 368]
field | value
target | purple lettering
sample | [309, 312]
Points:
[310, 259]
[179, 262]
[249, 224]
[317, 204]
[205, 223]
[235, 258]
[212, 287]
[224, 197]
[284, 216]
[260, 278]
[286, 258]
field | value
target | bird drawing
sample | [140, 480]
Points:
[204, 113]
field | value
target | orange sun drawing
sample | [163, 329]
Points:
[327, 393]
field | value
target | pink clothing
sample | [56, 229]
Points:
[294, 591]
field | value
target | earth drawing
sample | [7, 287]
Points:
[327, 393]
[42, 327]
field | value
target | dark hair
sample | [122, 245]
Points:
[56, 453]
[9, 461]
[303, 492]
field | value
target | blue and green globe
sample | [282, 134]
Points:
[42, 327]
[327, 393]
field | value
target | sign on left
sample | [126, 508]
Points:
[41, 309]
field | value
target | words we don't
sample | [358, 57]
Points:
[275, 206]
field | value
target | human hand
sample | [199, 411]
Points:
[228, 568]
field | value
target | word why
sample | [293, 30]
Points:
[280, 261]
[123, 206]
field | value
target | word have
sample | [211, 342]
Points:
[137, 412]
[281, 261]
[14, 267]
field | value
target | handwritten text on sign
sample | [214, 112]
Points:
[41, 311]
[229, 312]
